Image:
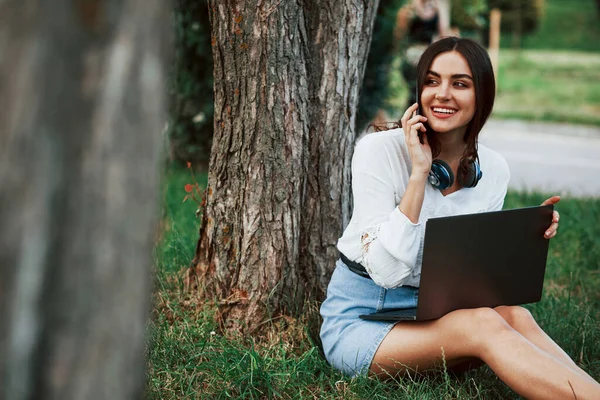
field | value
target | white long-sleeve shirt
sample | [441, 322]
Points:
[379, 235]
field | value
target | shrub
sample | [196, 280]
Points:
[520, 17]
[191, 84]
[374, 90]
[468, 15]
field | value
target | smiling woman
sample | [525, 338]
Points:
[448, 98]
[395, 193]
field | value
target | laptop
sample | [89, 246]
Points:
[479, 260]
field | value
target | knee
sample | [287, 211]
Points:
[518, 317]
[482, 328]
[488, 321]
[490, 327]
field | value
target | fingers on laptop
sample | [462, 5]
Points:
[551, 231]
[551, 200]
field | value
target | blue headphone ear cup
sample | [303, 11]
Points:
[473, 177]
[441, 176]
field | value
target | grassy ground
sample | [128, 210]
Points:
[188, 357]
[549, 86]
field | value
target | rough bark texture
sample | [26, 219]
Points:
[287, 81]
[81, 110]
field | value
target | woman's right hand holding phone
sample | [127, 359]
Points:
[420, 156]
[420, 153]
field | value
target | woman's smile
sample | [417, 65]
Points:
[443, 112]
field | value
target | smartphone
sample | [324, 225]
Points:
[419, 133]
[417, 98]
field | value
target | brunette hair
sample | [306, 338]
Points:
[485, 91]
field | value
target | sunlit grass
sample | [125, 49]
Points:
[549, 86]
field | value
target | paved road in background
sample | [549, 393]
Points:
[551, 158]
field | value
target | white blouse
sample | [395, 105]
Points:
[379, 235]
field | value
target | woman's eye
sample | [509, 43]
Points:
[430, 82]
[460, 84]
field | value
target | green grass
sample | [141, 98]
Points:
[566, 25]
[179, 223]
[188, 357]
[549, 86]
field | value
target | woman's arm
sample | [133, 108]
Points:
[389, 241]
[443, 7]
[390, 232]
[403, 17]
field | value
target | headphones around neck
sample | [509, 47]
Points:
[441, 176]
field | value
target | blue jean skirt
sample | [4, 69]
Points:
[349, 342]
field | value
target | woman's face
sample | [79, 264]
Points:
[448, 96]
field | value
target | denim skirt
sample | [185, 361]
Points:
[350, 343]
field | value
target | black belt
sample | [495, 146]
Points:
[355, 267]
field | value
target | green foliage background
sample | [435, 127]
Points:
[191, 84]
[519, 15]
[375, 88]
[566, 25]
[468, 15]
[191, 105]
[544, 24]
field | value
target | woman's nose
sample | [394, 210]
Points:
[442, 93]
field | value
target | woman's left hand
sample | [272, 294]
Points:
[551, 231]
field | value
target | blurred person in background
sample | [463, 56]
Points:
[418, 24]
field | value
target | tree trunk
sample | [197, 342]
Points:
[287, 80]
[81, 110]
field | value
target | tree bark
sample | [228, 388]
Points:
[287, 80]
[81, 110]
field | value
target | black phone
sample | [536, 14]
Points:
[419, 133]
[417, 98]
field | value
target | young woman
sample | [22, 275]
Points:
[392, 201]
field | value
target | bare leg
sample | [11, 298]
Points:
[482, 333]
[523, 322]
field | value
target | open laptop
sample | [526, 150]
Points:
[479, 260]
